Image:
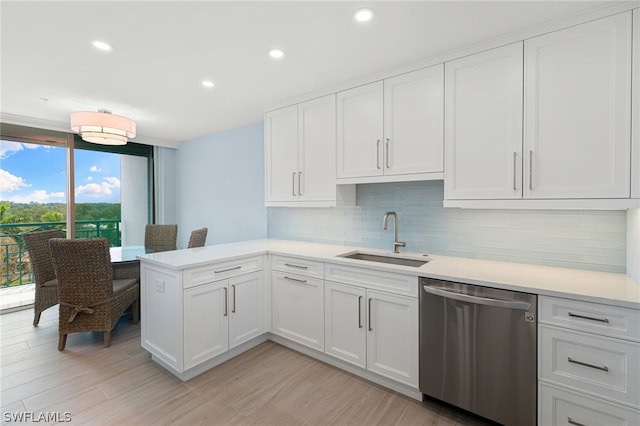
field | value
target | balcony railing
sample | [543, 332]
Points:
[15, 266]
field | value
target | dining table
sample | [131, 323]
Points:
[124, 261]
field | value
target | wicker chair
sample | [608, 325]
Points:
[90, 300]
[45, 276]
[160, 238]
[198, 238]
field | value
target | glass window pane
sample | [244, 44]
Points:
[32, 198]
[97, 195]
[111, 196]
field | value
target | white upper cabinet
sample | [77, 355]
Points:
[317, 149]
[577, 111]
[360, 121]
[281, 153]
[392, 130]
[483, 125]
[413, 114]
[300, 156]
[550, 127]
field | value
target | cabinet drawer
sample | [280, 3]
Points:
[392, 282]
[607, 320]
[604, 367]
[297, 265]
[220, 270]
[563, 407]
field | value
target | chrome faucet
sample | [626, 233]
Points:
[396, 243]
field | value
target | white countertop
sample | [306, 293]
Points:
[591, 286]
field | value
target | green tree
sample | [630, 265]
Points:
[52, 216]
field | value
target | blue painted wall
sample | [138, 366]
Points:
[220, 185]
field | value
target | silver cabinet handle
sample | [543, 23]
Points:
[299, 184]
[387, 154]
[369, 314]
[226, 302]
[512, 304]
[530, 170]
[359, 311]
[378, 154]
[295, 279]
[605, 320]
[233, 308]
[227, 270]
[293, 184]
[573, 422]
[296, 266]
[515, 160]
[586, 364]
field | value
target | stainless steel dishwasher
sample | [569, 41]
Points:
[478, 349]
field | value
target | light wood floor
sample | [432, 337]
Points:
[120, 385]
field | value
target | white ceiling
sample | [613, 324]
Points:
[162, 50]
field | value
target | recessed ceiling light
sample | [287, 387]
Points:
[102, 45]
[276, 53]
[363, 15]
[207, 83]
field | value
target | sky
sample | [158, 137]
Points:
[37, 173]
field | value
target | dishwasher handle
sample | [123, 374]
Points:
[511, 304]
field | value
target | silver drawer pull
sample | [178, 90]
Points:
[295, 279]
[605, 320]
[573, 422]
[585, 364]
[296, 266]
[227, 270]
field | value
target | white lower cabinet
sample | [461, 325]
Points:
[589, 363]
[373, 330]
[206, 322]
[560, 406]
[345, 323]
[392, 342]
[189, 320]
[298, 308]
[220, 316]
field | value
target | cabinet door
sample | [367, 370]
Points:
[344, 323]
[298, 308]
[245, 308]
[317, 149]
[206, 322]
[281, 154]
[483, 125]
[359, 137]
[577, 111]
[392, 341]
[413, 122]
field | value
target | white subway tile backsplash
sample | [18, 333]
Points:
[583, 239]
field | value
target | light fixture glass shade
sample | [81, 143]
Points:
[103, 127]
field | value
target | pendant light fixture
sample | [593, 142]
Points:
[102, 127]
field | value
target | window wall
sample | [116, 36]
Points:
[56, 180]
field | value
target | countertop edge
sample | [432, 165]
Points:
[188, 258]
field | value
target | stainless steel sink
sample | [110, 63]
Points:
[395, 260]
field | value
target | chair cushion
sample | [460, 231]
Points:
[121, 285]
[50, 283]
